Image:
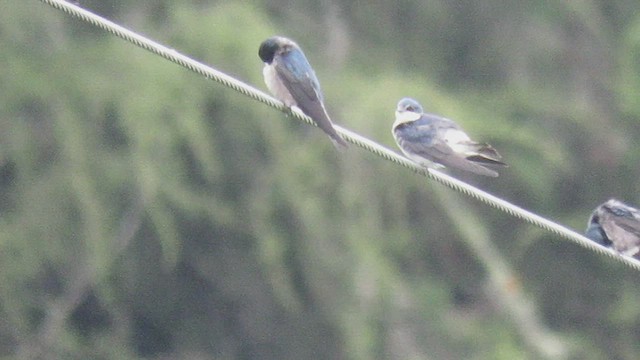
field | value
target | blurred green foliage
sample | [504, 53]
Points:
[146, 212]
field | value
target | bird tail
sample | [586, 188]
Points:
[484, 154]
[321, 118]
[338, 141]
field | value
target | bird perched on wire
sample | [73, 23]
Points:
[435, 142]
[291, 79]
[617, 225]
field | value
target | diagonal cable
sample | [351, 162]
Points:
[453, 183]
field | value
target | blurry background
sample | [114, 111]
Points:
[146, 212]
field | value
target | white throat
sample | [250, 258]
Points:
[405, 117]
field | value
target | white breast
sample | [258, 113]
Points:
[276, 86]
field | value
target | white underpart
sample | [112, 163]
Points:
[405, 117]
[422, 161]
[276, 86]
[631, 252]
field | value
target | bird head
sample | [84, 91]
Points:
[408, 110]
[409, 105]
[273, 46]
[595, 232]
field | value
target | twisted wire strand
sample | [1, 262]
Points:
[245, 89]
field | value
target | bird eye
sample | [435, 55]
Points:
[411, 108]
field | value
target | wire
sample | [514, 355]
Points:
[455, 184]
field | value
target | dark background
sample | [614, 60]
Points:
[148, 213]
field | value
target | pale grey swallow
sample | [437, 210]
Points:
[435, 142]
[291, 79]
[616, 225]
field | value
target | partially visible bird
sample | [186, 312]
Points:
[291, 79]
[617, 225]
[435, 142]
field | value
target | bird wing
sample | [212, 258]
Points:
[441, 141]
[298, 76]
[622, 226]
[431, 135]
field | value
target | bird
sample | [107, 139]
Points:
[616, 225]
[436, 142]
[290, 78]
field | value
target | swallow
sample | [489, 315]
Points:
[616, 225]
[291, 79]
[435, 142]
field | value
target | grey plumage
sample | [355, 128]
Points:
[291, 79]
[617, 225]
[434, 141]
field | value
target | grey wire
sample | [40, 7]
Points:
[455, 184]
